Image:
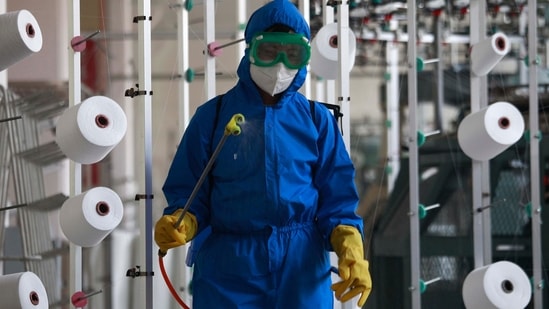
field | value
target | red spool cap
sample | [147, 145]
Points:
[78, 43]
[79, 300]
[214, 50]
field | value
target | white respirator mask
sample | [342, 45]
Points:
[274, 79]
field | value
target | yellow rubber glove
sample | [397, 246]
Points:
[352, 267]
[167, 236]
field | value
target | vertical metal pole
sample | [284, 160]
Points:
[75, 169]
[522, 28]
[534, 155]
[480, 170]
[343, 80]
[413, 158]
[183, 277]
[328, 17]
[4, 73]
[145, 84]
[343, 73]
[183, 56]
[439, 74]
[326, 92]
[241, 18]
[393, 116]
[123, 156]
[304, 6]
[209, 61]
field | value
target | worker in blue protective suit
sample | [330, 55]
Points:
[280, 196]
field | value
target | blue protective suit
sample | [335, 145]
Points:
[274, 195]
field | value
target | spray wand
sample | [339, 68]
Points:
[232, 128]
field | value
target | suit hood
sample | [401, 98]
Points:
[275, 12]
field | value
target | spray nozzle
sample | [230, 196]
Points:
[233, 126]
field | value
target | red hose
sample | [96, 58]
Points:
[169, 284]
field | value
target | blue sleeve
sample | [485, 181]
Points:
[334, 177]
[188, 164]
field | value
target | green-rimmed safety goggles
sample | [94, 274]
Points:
[270, 48]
